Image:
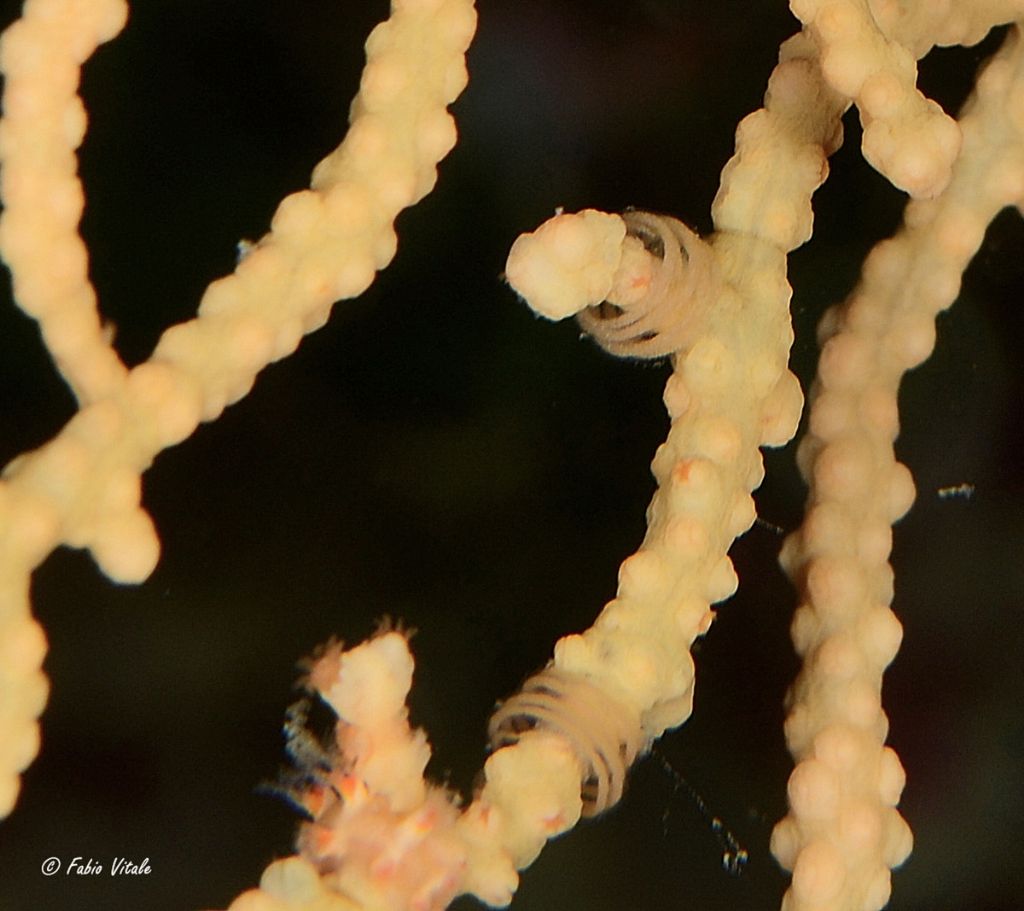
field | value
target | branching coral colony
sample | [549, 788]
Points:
[642, 285]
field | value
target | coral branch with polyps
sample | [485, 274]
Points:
[379, 836]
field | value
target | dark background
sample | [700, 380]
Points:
[437, 454]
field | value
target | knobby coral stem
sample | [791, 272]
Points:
[83, 488]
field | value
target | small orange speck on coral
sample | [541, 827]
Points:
[352, 789]
[314, 800]
[322, 838]
[681, 471]
[554, 823]
[423, 822]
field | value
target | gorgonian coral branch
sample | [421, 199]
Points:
[843, 832]
[83, 488]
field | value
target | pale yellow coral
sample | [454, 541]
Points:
[843, 833]
[325, 243]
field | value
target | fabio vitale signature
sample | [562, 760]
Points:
[119, 866]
